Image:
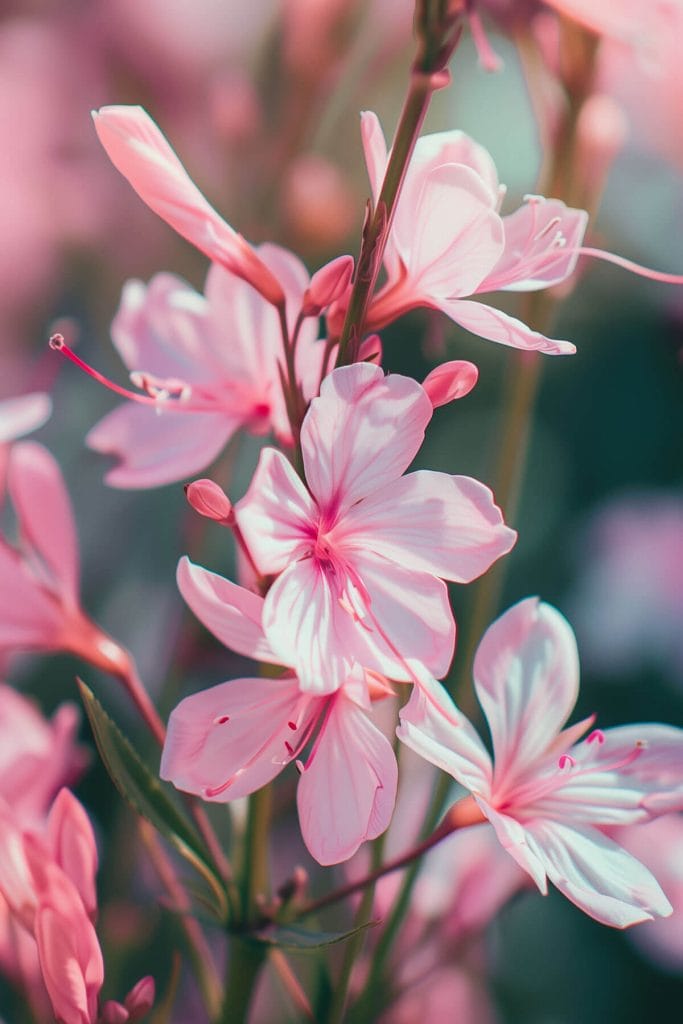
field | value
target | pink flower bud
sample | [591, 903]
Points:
[327, 285]
[210, 500]
[450, 381]
[140, 999]
[72, 843]
[113, 1013]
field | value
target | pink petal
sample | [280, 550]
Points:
[435, 728]
[454, 238]
[19, 416]
[347, 791]
[375, 150]
[159, 446]
[631, 775]
[514, 839]
[494, 325]
[71, 842]
[450, 381]
[230, 740]
[163, 329]
[29, 617]
[230, 612]
[277, 515]
[140, 152]
[541, 242]
[454, 147]
[431, 522]
[360, 434]
[526, 673]
[596, 874]
[45, 516]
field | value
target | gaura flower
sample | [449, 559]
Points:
[548, 796]
[230, 740]
[208, 364]
[140, 152]
[359, 553]
[448, 241]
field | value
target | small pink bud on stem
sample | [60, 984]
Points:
[210, 501]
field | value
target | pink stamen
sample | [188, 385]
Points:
[566, 761]
[488, 58]
[597, 736]
[621, 261]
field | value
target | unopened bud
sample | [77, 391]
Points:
[450, 381]
[327, 285]
[210, 500]
[140, 999]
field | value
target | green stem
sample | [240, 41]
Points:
[246, 960]
[436, 43]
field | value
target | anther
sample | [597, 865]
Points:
[566, 761]
[221, 719]
[597, 736]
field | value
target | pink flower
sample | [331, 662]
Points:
[230, 740]
[209, 365]
[360, 552]
[140, 152]
[19, 416]
[39, 602]
[448, 241]
[547, 799]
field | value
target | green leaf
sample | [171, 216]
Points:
[148, 795]
[288, 936]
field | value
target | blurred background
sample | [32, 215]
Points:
[261, 102]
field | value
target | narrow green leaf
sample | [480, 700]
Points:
[288, 936]
[148, 795]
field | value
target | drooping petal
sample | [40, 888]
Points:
[21, 415]
[435, 728]
[542, 239]
[159, 446]
[232, 613]
[431, 522]
[277, 515]
[347, 791]
[140, 152]
[513, 838]
[596, 874]
[494, 325]
[526, 674]
[361, 434]
[230, 740]
[45, 516]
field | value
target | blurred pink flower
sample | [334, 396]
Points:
[360, 553]
[19, 416]
[39, 601]
[628, 600]
[448, 241]
[659, 845]
[140, 152]
[210, 365]
[546, 798]
[230, 740]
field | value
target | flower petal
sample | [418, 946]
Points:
[230, 740]
[277, 515]
[435, 728]
[21, 415]
[542, 239]
[140, 152]
[361, 434]
[431, 522]
[231, 613]
[159, 446]
[494, 325]
[526, 673]
[347, 791]
[45, 515]
[596, 874]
